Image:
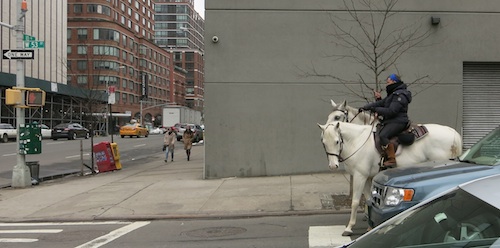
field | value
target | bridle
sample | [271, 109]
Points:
[346, 114]
[339, 156]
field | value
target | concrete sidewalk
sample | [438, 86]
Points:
[159, 190]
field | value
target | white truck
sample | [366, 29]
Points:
[7, 131]
[180, 114]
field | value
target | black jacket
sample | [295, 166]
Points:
[394, 107]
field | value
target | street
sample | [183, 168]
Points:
[63, 156]
[171, 192]
[286, 232]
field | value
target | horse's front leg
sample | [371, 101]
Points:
[358, 185]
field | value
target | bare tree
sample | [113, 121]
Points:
[370, 36]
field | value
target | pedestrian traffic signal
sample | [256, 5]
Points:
[13, 97]
[35, 98]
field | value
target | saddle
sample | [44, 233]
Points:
[407, 137]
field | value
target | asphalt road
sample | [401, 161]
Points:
[63, 156]
[284, 231]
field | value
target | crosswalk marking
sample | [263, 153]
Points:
[327, 236]
[100, 241]
[18, 240]
[31, 231]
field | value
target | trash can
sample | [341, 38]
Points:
[34, 169]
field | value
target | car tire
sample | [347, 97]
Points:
[54, 138]
[74, 136]
[87, 135]
[5, 138]
[123, 136]
[147, 134]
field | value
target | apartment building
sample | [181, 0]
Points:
[179, 29]
[111, 46]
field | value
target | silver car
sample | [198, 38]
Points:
[467, 215]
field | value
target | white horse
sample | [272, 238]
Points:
[354, 145]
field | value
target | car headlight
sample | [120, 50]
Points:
[394, 196]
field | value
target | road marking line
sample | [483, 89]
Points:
[32, 231]
[327, 236]
[139, 145]
[55, 143]
[77, 156]
[100, 241]
[18, 240]
[9, 154]
[66, 223]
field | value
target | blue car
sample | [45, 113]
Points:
[396, 190]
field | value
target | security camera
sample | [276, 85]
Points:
[215, 39]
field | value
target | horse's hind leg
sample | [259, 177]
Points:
[358, 185]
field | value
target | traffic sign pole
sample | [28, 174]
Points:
[21, 177]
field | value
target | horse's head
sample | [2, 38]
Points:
[346, 113]
[332, 142]
[339, 113]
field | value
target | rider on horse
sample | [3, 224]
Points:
[393, 114]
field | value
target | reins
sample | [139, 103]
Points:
[342, 146]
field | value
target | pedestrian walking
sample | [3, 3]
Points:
[169, 143]
[187, 138]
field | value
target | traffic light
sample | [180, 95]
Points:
[35, 98]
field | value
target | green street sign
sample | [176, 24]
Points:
[28, 37]
[34, 44]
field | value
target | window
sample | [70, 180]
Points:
[68, 79]
[82, 80]
[123, 20]
[82, 33]
[106, 50]
[106, 34]
[124, 83]
[82, 49]
[81, 65]
[68, 33]
[68, 49]
[124, 97]
[77, 8]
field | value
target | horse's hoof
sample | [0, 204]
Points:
[346, 233]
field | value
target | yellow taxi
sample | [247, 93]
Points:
[133, 129]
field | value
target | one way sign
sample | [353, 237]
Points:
[18, 54]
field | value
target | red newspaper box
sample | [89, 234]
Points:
[104, 156]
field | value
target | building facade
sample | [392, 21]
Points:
[110, 44]
[179, 29]
[262, 110]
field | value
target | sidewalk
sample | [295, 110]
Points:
[159, 190]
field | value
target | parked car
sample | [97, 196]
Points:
[156, 130]
[7, 131]
[70, 131]
[133, 129]
[467, 215]
[198, 132]
[46, 131]
[396, 190]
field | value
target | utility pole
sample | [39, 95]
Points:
[20, 174]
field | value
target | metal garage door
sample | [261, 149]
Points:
[481, 99]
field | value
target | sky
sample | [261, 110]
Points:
[199, 6]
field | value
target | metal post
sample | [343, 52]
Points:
[111, 121]
[140, 120]
[20, 174]
[106, 128]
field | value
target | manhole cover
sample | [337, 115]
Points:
[213, 232]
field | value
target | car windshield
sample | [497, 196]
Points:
[456, 219]
[486, 151]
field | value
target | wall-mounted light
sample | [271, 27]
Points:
[435, 20]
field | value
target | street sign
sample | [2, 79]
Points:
[18, 54]
[34, 44]
[28, 37]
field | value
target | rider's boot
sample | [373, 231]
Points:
[391, 155]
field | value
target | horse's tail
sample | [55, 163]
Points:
[456, 148]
